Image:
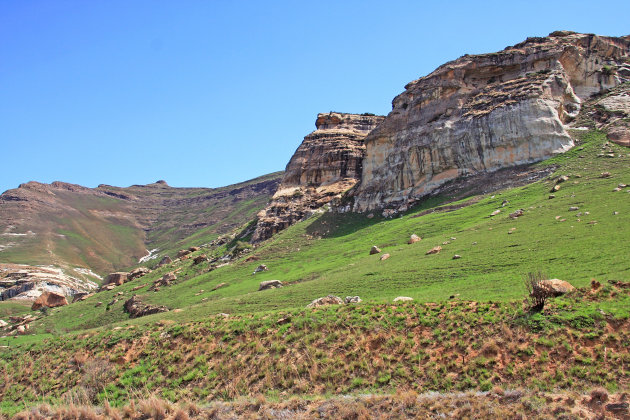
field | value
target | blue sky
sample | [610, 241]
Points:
[209, 93]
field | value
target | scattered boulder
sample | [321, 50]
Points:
[403, 299]
[574, 208]
[218, 286]
[194, 249]
[136, 308]
[456, 257]
[165, 260]
[517, 213]
[200, 258]
[434, 250]
[605, 175]
[326, 300]
[620, 135]
[595, 284]
[137, 273]
[98, 304]
[261, 267]
[269, 284]
[110, 286]
[49, 300]
[494, 213]
[620, 408]
[139, 287]
[117, 279]
[165, 280]
[182, 252]
[21, 329]
[557, 287]
[413, 239]
[551, 196]
[353, 299]
[375, 250]
[78, 297]
[385, 256]
[3, 323]
[562, 179]
[284, 320]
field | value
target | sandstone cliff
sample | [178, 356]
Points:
[325, 165]
[485, 112]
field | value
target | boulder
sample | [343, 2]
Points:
[218, 286]
[269, 284]
[165, 260]
[403, 299]
[517, 213]
[138, 272]
[194, 249]
[385, 256]
[557, 287]
[78, 297]
[353, 299]
[326, 300]
[182, 252]
[49, 300]
[555, 188]
[261, 267]
[494, 213]
[136, 308]
[413, 239]
[21, 329]
[110, 286]
[140, 286]
[165, 280]
[117, 279]
[456, 257]
[562, 179]
[3, 323]
[375, 250]
[620, 135]
[434, 250]
[200, 258]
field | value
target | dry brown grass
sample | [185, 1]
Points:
[497, 404]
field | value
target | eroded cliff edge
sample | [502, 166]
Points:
[485, 112]
[327, 163]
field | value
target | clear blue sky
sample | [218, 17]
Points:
[209, 93]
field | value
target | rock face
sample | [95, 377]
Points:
[325, 165]
[481, 113]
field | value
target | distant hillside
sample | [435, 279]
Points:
[110, 228]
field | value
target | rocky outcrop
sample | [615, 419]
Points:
[324, 166]
[481, 113]
[49, 300]
[24, 282]
[136, 308]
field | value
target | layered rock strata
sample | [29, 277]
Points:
[325, 165]
[481, 113]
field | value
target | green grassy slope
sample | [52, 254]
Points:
[329, 253]
[109, 228]
[476, 340]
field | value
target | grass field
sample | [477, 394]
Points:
[439, 342]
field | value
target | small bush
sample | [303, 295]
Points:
[537, 291]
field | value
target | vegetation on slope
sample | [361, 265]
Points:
[466, 330]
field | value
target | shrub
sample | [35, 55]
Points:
[537, 291]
